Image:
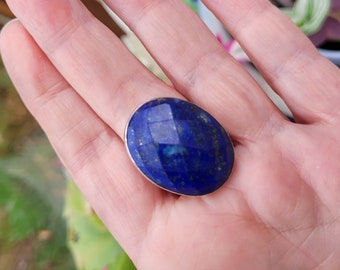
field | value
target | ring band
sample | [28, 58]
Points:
[179, 147]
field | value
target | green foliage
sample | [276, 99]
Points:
[24, 215]
[92, 244]
[32, 230]
[309, 15]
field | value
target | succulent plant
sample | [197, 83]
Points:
[319, 19]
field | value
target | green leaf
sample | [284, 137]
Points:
[309, 15]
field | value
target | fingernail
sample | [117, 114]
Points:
[8, 23]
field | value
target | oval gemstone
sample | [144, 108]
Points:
[179, 146]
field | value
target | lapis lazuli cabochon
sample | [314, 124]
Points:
[179, 146]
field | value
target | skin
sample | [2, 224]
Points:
[280, 208]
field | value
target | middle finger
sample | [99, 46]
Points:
[197, 64]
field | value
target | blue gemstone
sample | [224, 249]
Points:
[179, 146]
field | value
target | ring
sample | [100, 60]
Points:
[179, 147]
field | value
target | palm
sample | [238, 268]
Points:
[280, 207]
[259, 220]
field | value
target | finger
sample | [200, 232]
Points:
[91, 58]
[307, 82]
[197, 64]
[67, 24]
[92, 152]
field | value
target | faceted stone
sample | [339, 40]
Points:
[179, 146]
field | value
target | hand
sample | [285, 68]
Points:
[280, 207]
